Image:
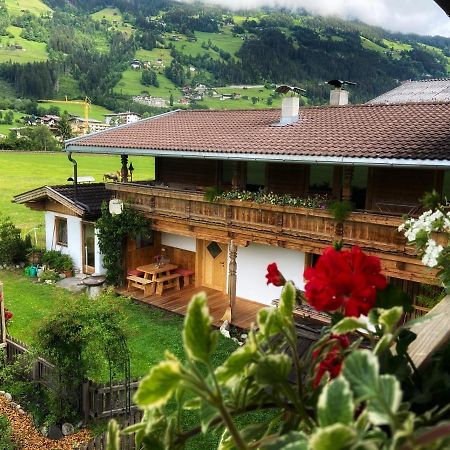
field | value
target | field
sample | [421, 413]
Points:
[115, 18]
[7, 90]
[95, 111]
[20, 172]
[31, 51]
[16, 7]
[4, 128]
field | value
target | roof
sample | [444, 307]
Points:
[417, 91]
[445, 5]
[87, 205]
[323, 134]
[127, 113]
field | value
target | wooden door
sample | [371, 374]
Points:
[88, 248]
[214, 265]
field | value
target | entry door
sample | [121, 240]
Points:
[88, 248]
[215, 265]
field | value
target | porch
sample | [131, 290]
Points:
[177, 302]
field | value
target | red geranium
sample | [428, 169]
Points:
[8, 315]
[346, 278]
[332, 361]
[274, 275]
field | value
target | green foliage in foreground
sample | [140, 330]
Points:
[5, 434]
[368, 406]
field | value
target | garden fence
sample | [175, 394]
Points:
[97, 401]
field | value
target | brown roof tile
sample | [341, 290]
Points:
[408, 131]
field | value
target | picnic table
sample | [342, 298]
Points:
[161, 277]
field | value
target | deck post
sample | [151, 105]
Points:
[124, 169]
[232, 270]
[347, 183]
[2, 319]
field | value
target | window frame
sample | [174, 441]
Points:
[58, 221]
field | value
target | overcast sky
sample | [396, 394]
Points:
[417, 16]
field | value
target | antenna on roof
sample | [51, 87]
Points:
[283, 89]
[339, 83]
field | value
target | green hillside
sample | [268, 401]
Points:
[95, 111]
[18, 7]
[17, 49]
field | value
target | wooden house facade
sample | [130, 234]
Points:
[383, 158]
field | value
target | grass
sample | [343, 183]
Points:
[16, 7]
[31, 51]
[21, 172]
[4, 128]
[68, 86]
[7, 90]
[95, 111]
[109, 14]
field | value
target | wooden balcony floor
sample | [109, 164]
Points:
[177, 302]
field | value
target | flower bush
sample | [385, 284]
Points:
[266, 197]
[8, 315]
[355, 389]
[423, 232]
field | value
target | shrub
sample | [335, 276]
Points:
[340, 210]
[5, 434]
[57, 261]
[13, 248]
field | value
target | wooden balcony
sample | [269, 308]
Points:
[304, 229]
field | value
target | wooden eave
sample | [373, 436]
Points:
[31, 199]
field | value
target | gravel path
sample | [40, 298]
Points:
[27, 437]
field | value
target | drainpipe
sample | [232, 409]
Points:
[75, 175]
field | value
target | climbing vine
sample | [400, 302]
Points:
[112, 233]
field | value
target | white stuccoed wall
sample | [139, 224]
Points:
[99, 269]
[74, 247]
[177, 241]
[252, 262]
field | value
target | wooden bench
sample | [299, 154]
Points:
[186, 274]
[172, 280]
[140, 283]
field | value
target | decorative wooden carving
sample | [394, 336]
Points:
[232, 271]
[124, 170]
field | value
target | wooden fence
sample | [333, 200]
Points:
[97, 401]
[126, 441]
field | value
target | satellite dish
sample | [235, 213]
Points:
[339, 83]
[283, 89]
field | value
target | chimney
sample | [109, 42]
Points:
[338, 97]
[289, 110]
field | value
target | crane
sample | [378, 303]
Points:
[86, 103]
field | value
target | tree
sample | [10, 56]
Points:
[40, 138]
[149, 78]
[64, 129]
[171, 99]
[269, 101]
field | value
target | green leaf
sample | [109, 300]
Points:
[268, 321]
[113, 440]
[236, 363]
[333, 437]
[294, 440]
[348, 325]
[159, 385]
[390, 317]
[199, 339]
[404, 339]
[392, 296]
[207, 415]
[383, 344]
[361, 370]
[273, 369]
[192, 404]
[335, 404]
[287, 300]
[382, 407]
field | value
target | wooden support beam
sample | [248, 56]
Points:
[2, 318]
[124, 169]
[431, 335]
[232, 270]
[347, 183]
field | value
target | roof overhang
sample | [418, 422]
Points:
[46, 193]
[267, 157]
[445, 5]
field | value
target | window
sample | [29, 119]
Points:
[146, 240]
[321, 179]
[61, 230]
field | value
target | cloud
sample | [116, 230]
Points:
[407, 16]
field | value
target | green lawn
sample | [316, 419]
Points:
[20, 172]
[68, 86]
[95, 111]
[31, 51]
[4, 128]
[16, 7]
[108, 14]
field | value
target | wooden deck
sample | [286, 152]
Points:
[177, 302]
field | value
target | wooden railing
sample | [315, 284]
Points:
[257, 221]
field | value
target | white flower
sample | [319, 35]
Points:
[432, 253]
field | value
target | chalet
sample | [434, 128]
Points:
[79, 125]
[121, 118]
[70, 215]
[381, 157]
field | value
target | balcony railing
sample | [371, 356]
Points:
[371, 231]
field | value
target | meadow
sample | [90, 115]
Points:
[31, 50]
[95, 111]
[21, 172]
[16, 7]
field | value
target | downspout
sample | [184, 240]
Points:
[75, 176]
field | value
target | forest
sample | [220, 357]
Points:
[276, 47]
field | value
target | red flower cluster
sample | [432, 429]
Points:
[332, 361]
[274, 275]
[346, 278]
[8, 315]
